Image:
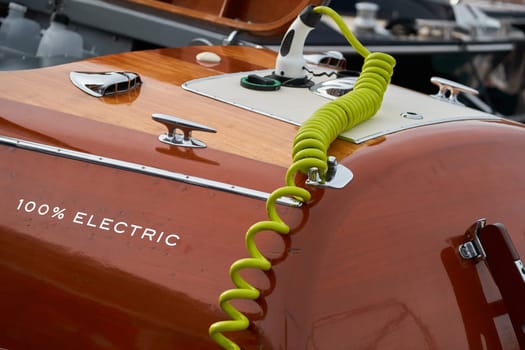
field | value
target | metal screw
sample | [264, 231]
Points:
[332, 168]
[313, 175]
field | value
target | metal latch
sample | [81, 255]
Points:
[183, 138]
[493, 245]
[472, 249]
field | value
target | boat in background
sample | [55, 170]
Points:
[201, 197]
[456, 40]
[127, 25]
[511, 12]
[428, 38]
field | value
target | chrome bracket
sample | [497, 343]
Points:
[337, 175]
[449, 90]
[183, 138]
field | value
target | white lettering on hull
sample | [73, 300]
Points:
[100, 223]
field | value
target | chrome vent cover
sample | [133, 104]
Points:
[101, 84]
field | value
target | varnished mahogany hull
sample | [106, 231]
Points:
[373, 265]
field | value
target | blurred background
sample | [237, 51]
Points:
[477, 43]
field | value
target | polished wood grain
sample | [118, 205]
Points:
[163, 71]
[374, 265]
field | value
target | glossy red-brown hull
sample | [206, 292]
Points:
[95, 257]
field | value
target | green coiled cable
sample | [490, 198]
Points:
[310, 148]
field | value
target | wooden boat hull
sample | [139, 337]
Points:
[373, 265]
[266, 19]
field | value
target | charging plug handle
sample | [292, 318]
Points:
[290, 61]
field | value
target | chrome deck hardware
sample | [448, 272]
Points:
[493, 245]
[332, 89]
[449, 90]
[337, 175]
[412, 115]
[100, 84]
[184, 139]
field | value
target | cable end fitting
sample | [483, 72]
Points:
[310, 17]
[336, 175]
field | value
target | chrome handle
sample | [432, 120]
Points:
[185, 138]
[449, 90]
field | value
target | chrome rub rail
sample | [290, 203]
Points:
[143, 169]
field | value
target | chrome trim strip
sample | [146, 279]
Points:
[143, 169]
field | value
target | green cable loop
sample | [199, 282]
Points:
[243, 289]
[323, 127]
[310, 148]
